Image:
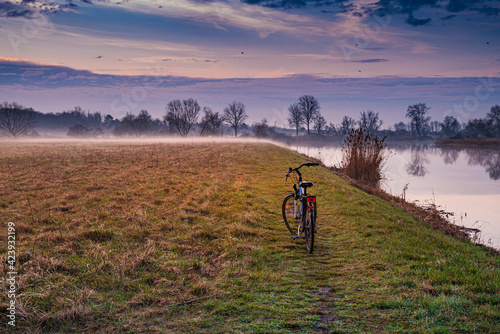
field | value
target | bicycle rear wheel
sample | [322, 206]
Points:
[309, 227]
[291, 215]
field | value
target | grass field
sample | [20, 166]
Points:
[188, 238]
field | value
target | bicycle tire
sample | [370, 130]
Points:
[309, 228]
[287, 210]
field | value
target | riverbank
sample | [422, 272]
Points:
[188, 238]
[469, 143]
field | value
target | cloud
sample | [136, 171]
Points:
[9, 9]
[417, 22]
[448, 17]
[263, 18]
[30, 9]
[51, 91]
[30, 73]
[375, 60]
[487, 10]
[57, 76]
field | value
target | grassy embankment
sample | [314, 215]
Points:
[184, 238]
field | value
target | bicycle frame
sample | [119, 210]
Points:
[307, 213]
[300, 193]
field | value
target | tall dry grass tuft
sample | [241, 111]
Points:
[363, 157]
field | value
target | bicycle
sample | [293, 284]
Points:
[306, 217]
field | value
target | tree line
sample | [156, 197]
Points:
[182, 117]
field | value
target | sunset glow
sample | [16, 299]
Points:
[225, 48]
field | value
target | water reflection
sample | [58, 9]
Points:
[450, 156]
[488, 159]
[416, 166]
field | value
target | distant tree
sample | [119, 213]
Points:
[261, 130]
[15, 119]
[78, 130]
[369, 121]
[419, 121]
[347, 125]
[309, 107]
[450, 126]
[144, 123]
[435, 126]
[400, 128]
[319, 123]
[494, 117]
[108, 119]
[140, 125]
[182, 116]
[211, 121]
[110, 122]
[479, 128]
[94, 120]
[235, 115]
[331, 129]
[295, 117]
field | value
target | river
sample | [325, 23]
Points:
[464, 182]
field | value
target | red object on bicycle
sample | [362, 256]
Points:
[311, 199]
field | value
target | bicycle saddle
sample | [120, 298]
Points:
[306, 184]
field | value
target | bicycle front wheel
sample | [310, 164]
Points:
[291, 213]
[309, 228]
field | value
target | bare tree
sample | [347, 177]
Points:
[261, 130]
[347, 125]
[15, 119]
[182, 115]
[319, 123]
[369, 121]
[332, 129]
[309, 108]
[235, 115]
[419, 122]
[211, 121]
[295, 117]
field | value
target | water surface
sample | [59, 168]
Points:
[463, 182]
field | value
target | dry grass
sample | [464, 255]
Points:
[110, 218]
[184, 238]
[363, 157]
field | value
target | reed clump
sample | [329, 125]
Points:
[363, 157]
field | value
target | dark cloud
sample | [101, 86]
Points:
[486, 10]
[49, 76]
[449, 17]
[8, 9]
[417, 22]
[373, 60]
[30, 9]
[291, 3]
[456, 6]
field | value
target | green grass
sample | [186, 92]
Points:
[188, 238]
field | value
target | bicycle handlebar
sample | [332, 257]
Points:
[307, 164]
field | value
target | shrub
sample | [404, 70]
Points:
[363, 156]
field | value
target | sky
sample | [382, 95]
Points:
[125, 56]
